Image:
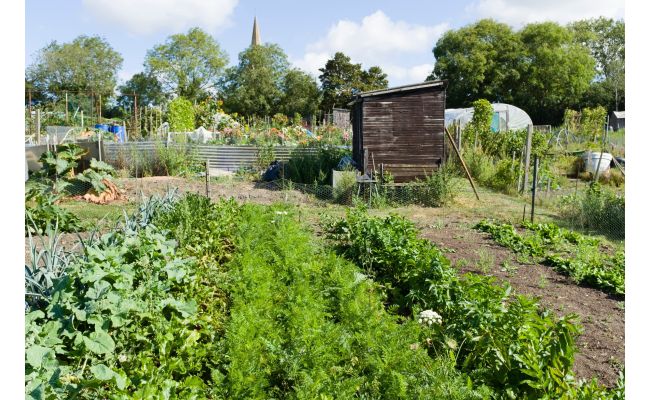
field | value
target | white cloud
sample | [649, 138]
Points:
[143, 17]
[377, 40]
[519, 12]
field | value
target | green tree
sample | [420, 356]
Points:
[480, 61]
[605, 39]
[372, 79]
[341, 79]
[146, 87]
[300, 94]
[187, 65]
[87, 64]
[180, 115]
[254, 86]
[555, 72]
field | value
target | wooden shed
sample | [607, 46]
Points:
[617, 120]
[400, 129]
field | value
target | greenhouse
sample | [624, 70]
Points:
[505, 117]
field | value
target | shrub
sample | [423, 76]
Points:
[314, 168]
[175, 160]
[437, 189]
[479, 164]
[265, 156]
[505, 176]
[345, 189]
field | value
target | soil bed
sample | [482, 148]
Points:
[601, 346]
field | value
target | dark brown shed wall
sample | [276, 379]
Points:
[404, 131]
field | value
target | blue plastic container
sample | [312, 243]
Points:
[119, 133]
[102, 127]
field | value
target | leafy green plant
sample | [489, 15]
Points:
[479, 164]
[265, 155]
[176, 160]
[314, 168]
[313, 326]
[346, 188]
[508, 268]
[507, 342]
[440, 188]
[180, 115]
[97, 175]
[568, 252]
[42, 210]
[62, 162]
[505, 176]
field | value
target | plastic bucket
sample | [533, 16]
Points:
[591, 161]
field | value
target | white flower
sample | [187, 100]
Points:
[281, 212]
[429, 317]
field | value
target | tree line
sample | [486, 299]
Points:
[542, 68]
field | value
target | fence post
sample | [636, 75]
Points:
[207, 178]
[31, 125]
[529, 139]
[38, 126]
[99, 145]
[532, 209]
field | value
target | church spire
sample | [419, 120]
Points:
[256, 33]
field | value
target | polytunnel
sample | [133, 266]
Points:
[505, 117]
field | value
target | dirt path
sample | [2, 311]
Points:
[601, 346]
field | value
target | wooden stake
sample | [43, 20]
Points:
[66, 106]
[99, 145]
[471, 181]
[31, 124]
[529, 139]
[38, 126]
[532, 209]
[135, 114]
[207, 178]
[618, 165]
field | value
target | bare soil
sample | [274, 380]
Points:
[601, 347]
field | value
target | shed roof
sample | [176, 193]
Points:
[396, 89]
[619, 114]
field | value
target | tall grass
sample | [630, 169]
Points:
[598, 209]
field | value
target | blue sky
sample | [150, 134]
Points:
[396, 35]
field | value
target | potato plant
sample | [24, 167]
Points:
[507, 342]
